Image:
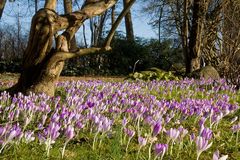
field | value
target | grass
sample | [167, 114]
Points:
[141, 94]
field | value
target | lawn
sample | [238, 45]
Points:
[95, 119]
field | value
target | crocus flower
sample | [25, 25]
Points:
[129, 132]
[216, 156]
[202, 145]
[142, 141]
[183, 132]
[15, 133]
[29, 136]
[173, 133]
[53, 130]
[157, 128]
[124, 122]
[192, 137]
[236, 128]
[106, 124]
[69, 132]
[206, 133]
[160, 149]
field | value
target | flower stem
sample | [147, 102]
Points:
[198, 155]
[237, 138]
[94, 140]
[171, 148]
[139, 151]
[64, 147]
[48, 146]
[138, 126]
[128, 144]
[162, 155]
[149, 151]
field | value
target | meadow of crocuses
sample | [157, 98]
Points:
[187, 119]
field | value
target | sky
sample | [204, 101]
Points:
[140, 20]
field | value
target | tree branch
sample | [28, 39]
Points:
[92, 9]
[62, 56]
[116, 24]
[50, 4]
[2, 5]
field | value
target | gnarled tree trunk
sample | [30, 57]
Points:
[43, 62]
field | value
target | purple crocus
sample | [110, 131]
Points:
[202, 145]
[160, 149]
[129, 132]
[192, 137]
[183, 132]
[236, 128]
[124, 122]
[216, 156]
[206, 133]
[15, 133]
[53, 130]
[69, 132]
[157, 128]
[173, 133]
[29, 136]
[142, 141]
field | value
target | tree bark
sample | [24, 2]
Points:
[128, 23]
[67, 10]
[43, 64]
[185, 34]
[195, 39]
[2, 5]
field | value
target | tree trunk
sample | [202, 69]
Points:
[42, 64]
[185, 33]
[128, 23]
[2, 5]
[195, 39]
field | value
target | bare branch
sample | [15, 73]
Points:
[92, 9]
[116, 24]
[50, 4]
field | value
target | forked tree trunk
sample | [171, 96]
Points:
[43, 63]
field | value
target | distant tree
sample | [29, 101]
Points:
[128, 23]
[196, 23]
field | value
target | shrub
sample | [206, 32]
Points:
[153, 74]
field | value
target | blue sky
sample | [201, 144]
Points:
[140, 20]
